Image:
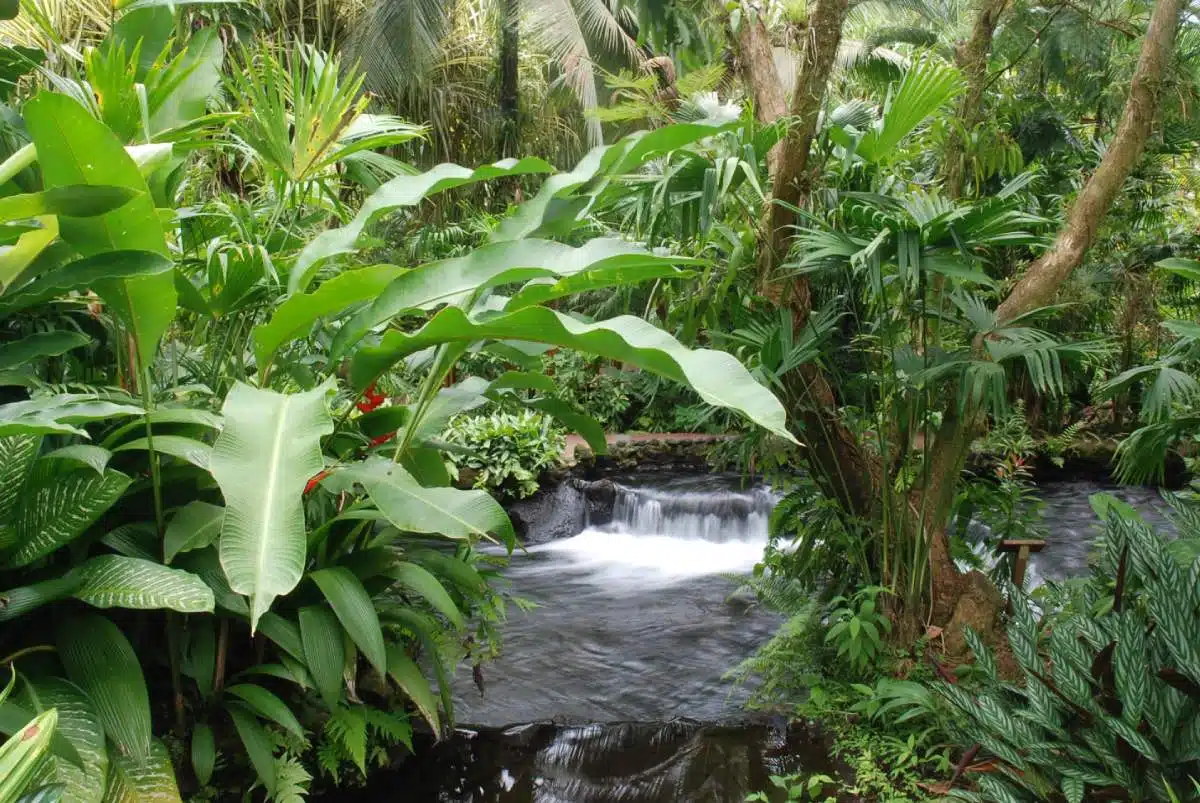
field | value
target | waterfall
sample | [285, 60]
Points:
[719, 515]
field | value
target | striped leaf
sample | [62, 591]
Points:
[262, 460]
[17, 453]
[117, 581]
[55, 508]
[80, 725]
[101, 662]
[149, 780]
[356, 611]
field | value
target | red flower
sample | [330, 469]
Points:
[313, 482]
[382, 439]
[370, 400]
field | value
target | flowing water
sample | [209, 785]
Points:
[635, 628]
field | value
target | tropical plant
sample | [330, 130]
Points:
[1108, 699]
[506, 452]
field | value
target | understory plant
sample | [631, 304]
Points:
[1103, 698]
[506, 452]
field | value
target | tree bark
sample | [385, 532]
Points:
[510, 98]
[972, 59]
[756, 60]
[1044, 277]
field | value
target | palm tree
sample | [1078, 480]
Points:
[401, 44]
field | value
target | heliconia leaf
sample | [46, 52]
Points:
[451, 281]
[194, 526]
[262, 460]
[75, 148]
[82, 274]
[259, 748]
[267, 705]
[95, 456]
[150, 780]
[79, 724]
[101, 662]
[295, 316]
[400, 192]
[193, 451]
[324, 652]
[204, 752]
[447, 566]
[55, 508]
[356, 612]
[413, 508]
[598, 277]
[117, 581]
[59, 414]
[80, 200]
[717, 377]
[284, 632]
[407, 675]
[38, 345]
[418, 580]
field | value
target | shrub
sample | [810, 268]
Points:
[506, 450]
[584, 382]
[1109, 700]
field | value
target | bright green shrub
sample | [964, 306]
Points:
[507, 450]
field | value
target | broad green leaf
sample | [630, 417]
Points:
[79, 724]
[285, 634]
[259, 747]
[452, 281]
[523, 380]
[21, 756]
[16, 602]
[447, 566]
[95, 456]
[408, 677]
[267, 706]
[400, 192]
[101, 662]
[324, 651]
[199, 76]
[78, 200]
[81, 274]
[15, 259]
[262, 460]
[56, 507]
[136, 539]
[36, 346]
[117, 581]
[164, 415]
[59, 414]
[413, 508]
[75, 148]
[417, 579]
[717, 377]
[356, 612]
[204, 753]
[296, 316]
[148, 780]
[573, 420]
[1187, 268]
[190, 450]
[1105, 505]
[9, 9]
[927, 85]
[196, 525]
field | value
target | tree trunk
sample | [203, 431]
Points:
[510, 99]
[792, 178]
[972, 59]
[756, 60]
[1044, 277]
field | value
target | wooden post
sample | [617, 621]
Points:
[1024, 547]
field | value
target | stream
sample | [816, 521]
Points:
[612, 688]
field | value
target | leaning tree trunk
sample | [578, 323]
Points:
[510, 112]
[958, 599]
[1041, 282]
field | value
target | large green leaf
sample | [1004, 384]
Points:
[117, 581]
[75, 148]
[79, 724]
[148, 780]
[84, 453]
[928, 85]
[195, 526]
[717, 377]
[267, 705]
[197, 79]
[36, 346]
[56, 507]
[356, 612]
[204, 752]
[407, 675]
[452, 281]
[324, 651]
[101, 662]
[17, 453]
[16, 259]
[81, 274]
[295, 317]
[413, 508]
[420, 581]
[259, 747]
[196, 452]
[262, 460]
[400, 192]
[575, 421]
[59, 414]
[76, 200]
[19, 601]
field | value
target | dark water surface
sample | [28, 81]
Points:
[635, 629]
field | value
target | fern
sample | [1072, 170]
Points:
[360, 735]
[388, 728]
[291, 781]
